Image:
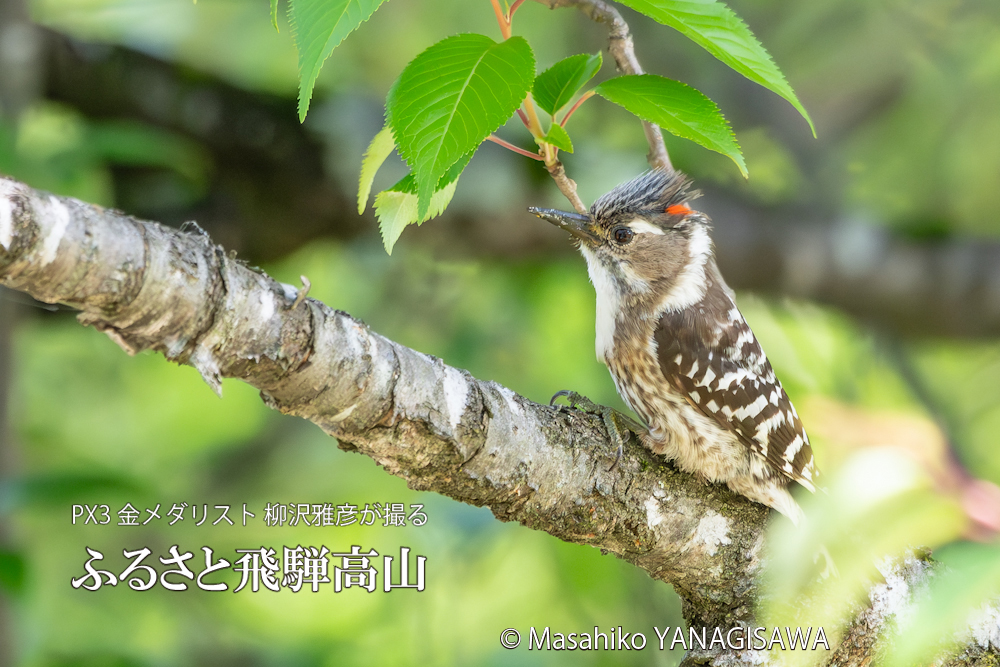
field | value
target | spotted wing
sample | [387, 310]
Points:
[712, 358]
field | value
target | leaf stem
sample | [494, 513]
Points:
[502, 19]
[524, 118]
[583, 98]
[549, 153]
[511, 147]
[534, 125]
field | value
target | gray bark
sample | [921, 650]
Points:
[437, 427]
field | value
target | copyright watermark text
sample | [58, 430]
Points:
[617, 639]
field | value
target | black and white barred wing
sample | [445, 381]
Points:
[730, 380]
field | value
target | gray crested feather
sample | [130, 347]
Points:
[652, 191]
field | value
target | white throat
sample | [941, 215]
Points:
[608, 304]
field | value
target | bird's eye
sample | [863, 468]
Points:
[623, 235]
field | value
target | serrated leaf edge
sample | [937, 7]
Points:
[306, 90]
[791, 98]
[548, 137]
[422, 187]
[582, 83]
[379, 149]
[738, 158]
[406, 207]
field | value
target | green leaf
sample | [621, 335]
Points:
[716, 28]
[378, 150]
[409, 184]
[558, 137]
[450, 98]
[274, 13]
[677, 108]
[396, 210]
[555, 87]
[319, 26]
[397, 207]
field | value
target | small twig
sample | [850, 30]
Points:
[622, 49]
[303, 293]
[509, 146]
[583, 98]
[566, 185]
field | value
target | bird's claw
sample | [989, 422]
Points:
[616, 423]
[568, 395]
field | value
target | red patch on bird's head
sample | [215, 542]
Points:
[679, 209]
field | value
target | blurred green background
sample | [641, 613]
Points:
[173, 110]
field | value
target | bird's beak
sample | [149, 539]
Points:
[577, 224]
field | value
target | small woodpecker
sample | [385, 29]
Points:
[679, 351]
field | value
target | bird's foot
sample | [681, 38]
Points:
[617, 424]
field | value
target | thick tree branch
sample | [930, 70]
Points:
[622, 49]
[437, 427]
[151, 287]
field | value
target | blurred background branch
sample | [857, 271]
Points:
[267, 192]
[268, 196]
